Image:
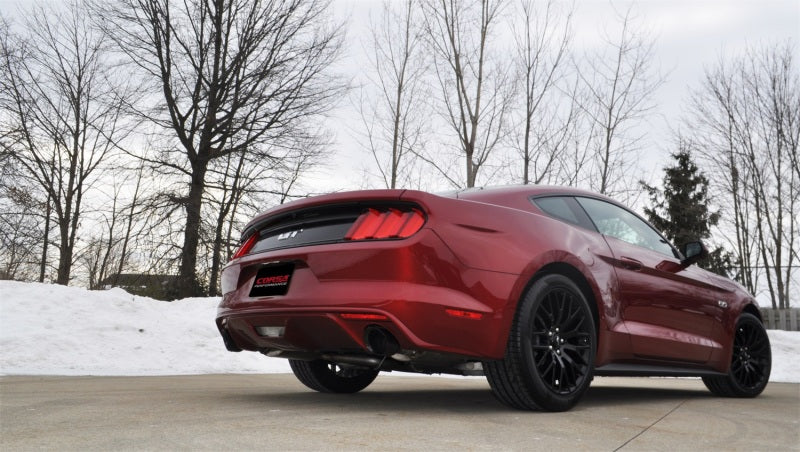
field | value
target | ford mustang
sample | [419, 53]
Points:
[537, 288]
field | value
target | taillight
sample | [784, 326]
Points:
[246, 246]
[386, 224]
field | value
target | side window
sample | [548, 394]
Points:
[617, 222]
[564, 208]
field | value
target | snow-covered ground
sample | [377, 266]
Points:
[55, 330]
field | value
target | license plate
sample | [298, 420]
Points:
[272, 280]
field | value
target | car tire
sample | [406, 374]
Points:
[324, 376]
[751, 361]
[551, 348]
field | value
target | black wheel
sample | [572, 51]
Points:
[550, 354]
[751, 361]
[324, 376]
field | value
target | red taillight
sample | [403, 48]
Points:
[393, 223]
[246, 246]
[365, 226]
[413, 224]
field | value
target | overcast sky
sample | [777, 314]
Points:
[690, 35]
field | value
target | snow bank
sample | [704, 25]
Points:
[55, 330]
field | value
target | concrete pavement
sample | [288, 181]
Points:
[275, 412]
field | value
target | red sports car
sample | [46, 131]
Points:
[538, 288]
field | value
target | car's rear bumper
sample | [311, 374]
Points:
[415, 289]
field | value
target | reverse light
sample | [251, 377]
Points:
[246, 246]
[270, 331]
[471, 315]
[375, 224]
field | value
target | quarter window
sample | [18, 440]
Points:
[564, 208]
[556, 206]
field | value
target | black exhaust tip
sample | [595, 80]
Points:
[227, 339]
[380, 341]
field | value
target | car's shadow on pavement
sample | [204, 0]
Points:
[459, 400]
[383, 400]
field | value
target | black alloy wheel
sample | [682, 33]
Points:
[324, 376]
[751, 361]
[550, 354]
[561, 341]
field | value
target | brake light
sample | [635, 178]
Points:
[246, 246]
[375, 224]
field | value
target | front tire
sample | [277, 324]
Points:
[751, 361]
[330, 377]
[551, 348]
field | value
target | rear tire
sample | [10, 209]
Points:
[550, 354]
[330, 377]
[751, 361]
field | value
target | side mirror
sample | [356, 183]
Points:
[693, 252]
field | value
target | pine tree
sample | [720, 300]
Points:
[681, 210]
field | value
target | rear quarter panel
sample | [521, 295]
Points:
[523, 242]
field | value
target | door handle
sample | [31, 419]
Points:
[630, 264]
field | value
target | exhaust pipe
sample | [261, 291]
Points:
[371, 362]
[354, 360]
[380, 341]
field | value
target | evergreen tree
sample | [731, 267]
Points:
[681, 210]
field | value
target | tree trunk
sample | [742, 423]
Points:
[65, 256]
[188, 285]
[43, 265]
[216, 246]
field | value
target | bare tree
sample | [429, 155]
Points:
[619, 88]
[20, 218]
[20, 223]
[18, 247]
[393, 112]
[233, 76]
[130, 221]
[100, 250]
[541, 134]
[746, 116]
[231, 189]
[475, 88]
[64, 113]
[241, 184]
[107, 254]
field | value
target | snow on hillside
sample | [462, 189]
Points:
[55, 330]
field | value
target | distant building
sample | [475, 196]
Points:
[160, 287]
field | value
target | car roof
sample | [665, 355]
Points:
[517, 196]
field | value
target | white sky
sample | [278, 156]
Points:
[691, 34]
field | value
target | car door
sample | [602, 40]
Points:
[668, 310]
